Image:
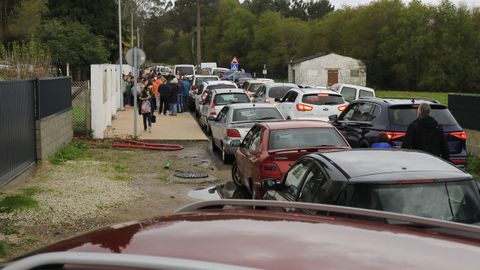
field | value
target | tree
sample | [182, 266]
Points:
[25, 18]
[317, 10]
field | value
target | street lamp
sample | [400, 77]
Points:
[120, 51]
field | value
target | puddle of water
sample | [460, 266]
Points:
[225, 191]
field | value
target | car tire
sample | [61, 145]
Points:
[236, 175]
[289, 118]
[214, 146]
[226, 158]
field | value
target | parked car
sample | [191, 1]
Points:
[270, 148]
[214, 102]
[402, 181]
[250, 86]
[362, 120]
[196, 82]
[311, 103]
[237, 76]
[217, 235]
[353, 92]
[202, 91]
[234, 121]
[268, 92]
[187, 70]
[219, 71]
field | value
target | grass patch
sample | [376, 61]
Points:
[17, 202]
[31, 239]
[122, 177]
[441, 97]
[30, 191]
[9, 230]
[72, 151]
[3, 248]
[473, 166]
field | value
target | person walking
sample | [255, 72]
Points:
[146, 108]
[426, 134]
[164, 89]
[173, 96]
[180, 108]
[186, 93]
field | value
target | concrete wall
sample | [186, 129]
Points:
[53, 132]
[315, 71]
[106, 95]
[473, 142]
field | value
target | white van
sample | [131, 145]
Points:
[352, 92]
[187, 70]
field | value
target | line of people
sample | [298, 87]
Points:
[168, 94]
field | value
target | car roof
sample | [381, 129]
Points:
[228, 90]
[219, 82]
[274, 240]
[251, 105]
[275, 84]
[354, 86]
[205, 76]
[289, 124]
[380, 165]
[317, 91]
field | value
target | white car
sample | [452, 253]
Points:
[311, 103]
[201, 92]
[270, 91]
[216, 99]
[187, 70]
[218, 71]
[353, 92]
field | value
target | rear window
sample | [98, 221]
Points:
[452, 201]
[254, 87]
[406, 114]
[200, 80]
[220, 86]
[230, 98]
[365, 94]
[323, 99]
[184, 70]
[349, 93]
[278, 91]
[253, 114]
[305, 137]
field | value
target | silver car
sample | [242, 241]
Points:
[270, 91]
[234, 121]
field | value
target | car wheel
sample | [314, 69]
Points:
[226, 158]
[236, 175]
[289, 118]
[214, 146]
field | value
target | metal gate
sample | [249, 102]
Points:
[17, 127]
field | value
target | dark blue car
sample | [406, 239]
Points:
[363, 119]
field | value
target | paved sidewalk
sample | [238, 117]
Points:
[180, 127]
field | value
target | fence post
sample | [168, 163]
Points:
[88, 107]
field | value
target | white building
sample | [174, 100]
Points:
[327, 69]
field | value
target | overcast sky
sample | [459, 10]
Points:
[339, 3]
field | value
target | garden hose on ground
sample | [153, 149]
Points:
[127, 143]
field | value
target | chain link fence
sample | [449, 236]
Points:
[81, 108]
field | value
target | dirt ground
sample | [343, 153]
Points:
[107, 187]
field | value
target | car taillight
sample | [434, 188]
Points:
[270, 170]
[267, 100]
[342, 107]
[458, 161]
[392, 135]
[416, 181]
[212, 108]
[304, 108]
[460, 134]
[194, 87]
[231, 132]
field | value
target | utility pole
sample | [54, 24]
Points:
[120, 52]
[199, 40]
[131, 29]
[138, 36]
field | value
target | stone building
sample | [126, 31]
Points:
[327, 69]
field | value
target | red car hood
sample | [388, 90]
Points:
[271, 241]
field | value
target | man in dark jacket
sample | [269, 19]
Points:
[163, 91]
[173, 96]
[426, 134]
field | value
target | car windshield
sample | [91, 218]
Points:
[200, 80]
[278, 91]
[254, 87]
[406, 114]
[230, 98]
[253, 114]
[305, 137]
[184, 70]
[323, 99]
[452, 201]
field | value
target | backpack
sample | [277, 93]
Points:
[146, 107]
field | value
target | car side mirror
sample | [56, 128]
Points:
[270, 184]
[333, 118]
[277, 99]
[211, 118]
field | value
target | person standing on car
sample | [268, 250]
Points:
[426, 134]
[173, 96]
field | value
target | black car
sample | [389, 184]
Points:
[363, 119]
[394, 180]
